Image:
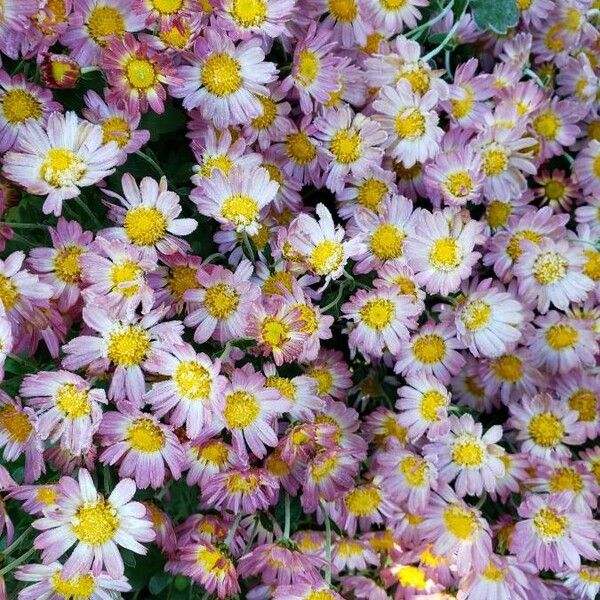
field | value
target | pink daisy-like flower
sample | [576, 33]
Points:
[391, 18]
[305, 591]
[587, 168]
[552, 533]
[469, 455]
[367, 192]
[353, 144]
[221, 304]
[237, 199]
[59, 160]
[19, 102]
[141, 446]
[206, 457]
[119, 124]
[331, 373]
[557, 189]
[66, 407]
[35, 498]
[60, 266]
[345, 19]
[410, 122]
[249, 411]
[149, 219]
[581, 391]
[95, 524]
[441, 249]
[381, 318]
[222, 79]
[352, 554]
[95, 24]
[16, 15]
[545, 427]
[137, 75]
[190, 389]
[125, 343]
[244, 21]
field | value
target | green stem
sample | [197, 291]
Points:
[327, 545]
[85, 208]
[233, 529]
[336, 299]
[24, 225]
[15, 563]
[286, 527]
[448, 65]
[16, 542]
[448, 37]
[211, 257]
[152, 162]
[22, 361]
[107, 480]
[533, 75]
[481, 501]
[414, 32]
[248, 247]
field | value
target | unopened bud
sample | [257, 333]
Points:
[59, 71]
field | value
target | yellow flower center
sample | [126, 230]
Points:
[19, 105]
[584, 401]
[554, 190]
[476, 315]
[177, 36]
[514, 249]
[565, 479]
[363, 501]
[414, 520]
[123, 273]
[326, 257]
[406, 285]
[46, 495]
[274, 283]
[62, 167]
[319, 595]
[221, 75]
[589, 575]
[459, 184]
[67, 265]
[78, 587]
[572, 19]
[249, 13]
[128, 345]
[416, 75]
[275, 332]
[73, 402]
[215, 453]
[561, 336]
[593, 132]
[104, 22]
[167, 7]
[324, 468]
[370, 193]
[284, 385]
[468, 452]
[460, 521]
[144, 435]
[386, 241]
[547, 124]
[429, 348]
[145, 225]
[241, 410]
[553, 38]
[414, 470]
[181, 278]
[377, 313]
[495, 161]
[343, 10]
[596, 166]
[240, 210]
[95, 523]
[193, 381]
[445, 254]
[116, 129]
[221, 301]
[461, 108]
[269, 113]
[214, 561]
[410, 576]
[431, 402]
[549, 524]
[524, 4]
[507, 368]
[324, 380]
[546, 430]
[221, 162]
[345, 146]
[15, 423]
[410, 124]
[309, 67]
[591, 268]
[299, 148]
[140, 73]
[493, 573]
[549, 268]
[497, 213]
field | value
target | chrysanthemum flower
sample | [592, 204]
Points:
[587, 168]
[94, 24]
[19, 102]
[59, 160]
[345, 19]
[331, 373]
[125, 343]
[557, 189]
[35, 498]
[249, 410]
[545, 427]
[470, 455]
[423, 404]
[552, 533]
[244, 20]
[441, 249]
[141, 446]
[410, 122]
[398, 275]
[149, 219]
[207, 455]
[95, 524]
[223, 79]
[353, 143]
[516, 473]
[236, 200]
[49, 581]
[66, 407]
[137, 75]
[60, 266]
[381, 318]
[367, 192]
[220, 306]
[119, 124]
[190, 389]
[352, 554]
[583, 582]
[581, 391]
[305, 591]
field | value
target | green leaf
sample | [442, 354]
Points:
[158, 583]
[170, 120]
[496, 15]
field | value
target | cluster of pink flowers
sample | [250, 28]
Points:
[334, 334]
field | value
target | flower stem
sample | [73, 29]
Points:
[327, 545]
[286, 527]
[85, 208]
[16, 542]
[533, 75]
[24, 225]
[152, 162]
[248, 248]
[15, 563]
[336, 299]
[414, 32]
[448, 37]
[233, 529]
